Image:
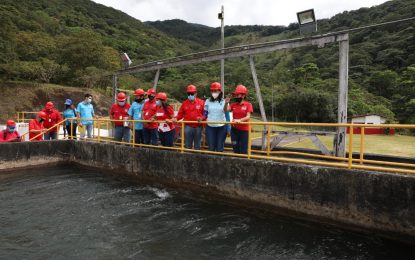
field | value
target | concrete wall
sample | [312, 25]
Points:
[381, 202]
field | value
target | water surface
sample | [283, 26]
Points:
[67, 213]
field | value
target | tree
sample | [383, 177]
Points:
[383, 83]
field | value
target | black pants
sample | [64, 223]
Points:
[71, 132]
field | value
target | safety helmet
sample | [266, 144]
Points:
[49, 105]
[151, 91]
[42, 115]
[68, 102]
[139, 92]
[240, 89]
[191, 89]
[11, 123]
[162, 96]
[121, 97]
[215, 86]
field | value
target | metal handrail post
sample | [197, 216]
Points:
[133, 134]
[362, 143]
[350, 147]
[182, 138]
[249, 140]
[268, 140]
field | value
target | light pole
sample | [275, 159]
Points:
[222, 61]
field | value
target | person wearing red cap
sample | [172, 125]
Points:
[135, 113]
[213, 112]
[36, 127]
[241, 110]
[119, 111]
[165, 113]
[52, 118]
[149, 113]
[10, 134]
[191, 110]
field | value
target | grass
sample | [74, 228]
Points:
[397, 145]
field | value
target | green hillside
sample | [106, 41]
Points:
[74, 42]
[77, 43]
[382, 64]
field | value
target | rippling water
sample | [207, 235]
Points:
[67, 213]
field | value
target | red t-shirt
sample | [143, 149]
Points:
[52, 118]
[118, 112]
[191, 111]
[6, 136]
[149, 110]
[35, 125]
[240, 111]
[163, 114]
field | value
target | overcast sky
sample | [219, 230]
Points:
[244, 12]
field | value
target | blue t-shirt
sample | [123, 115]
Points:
[69, 113]
[135, 111]
[215, 112]
[85, 111]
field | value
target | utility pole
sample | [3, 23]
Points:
[222, 61]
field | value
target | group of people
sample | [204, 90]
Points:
[152, 107]
[213, 110]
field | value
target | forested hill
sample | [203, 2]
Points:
[77, 43]
[382, 63]
[74, 42]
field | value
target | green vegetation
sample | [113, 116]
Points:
[78, 42]
[396, 145]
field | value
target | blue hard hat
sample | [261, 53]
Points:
[68, 102]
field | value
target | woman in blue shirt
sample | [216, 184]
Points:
[70, 125]
[135, 113]
[215, 133]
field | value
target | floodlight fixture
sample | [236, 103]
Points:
[125, 59]
[307, 21]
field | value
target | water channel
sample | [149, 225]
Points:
[69, 213]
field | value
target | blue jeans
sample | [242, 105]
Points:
[50, 136]
[139, 136]
[192, 135]
[122, 133]
[239, 141]
[71, 131]
[150, 136]
[216, 138]
[88, 131]
[167, 138]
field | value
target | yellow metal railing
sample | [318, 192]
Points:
[314, 159]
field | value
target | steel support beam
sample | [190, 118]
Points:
[233, 52]
[114, 87]
[156, 79]
[340, 140]
[259, 97]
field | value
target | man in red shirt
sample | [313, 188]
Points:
[119, 111]
[242, 110]
[36, 127]
[10, 134]
[149, 113]
[165, 112]
[53, 117]
[191, 110]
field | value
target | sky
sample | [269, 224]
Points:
[237, 12]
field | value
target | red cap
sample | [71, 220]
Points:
[10, 123]
[162, 96]
[139, 92]
[151, 91]
[49, 105]
[121, 96]
[42, 115]
[191, 89]
[240, 89]
[215, 86]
